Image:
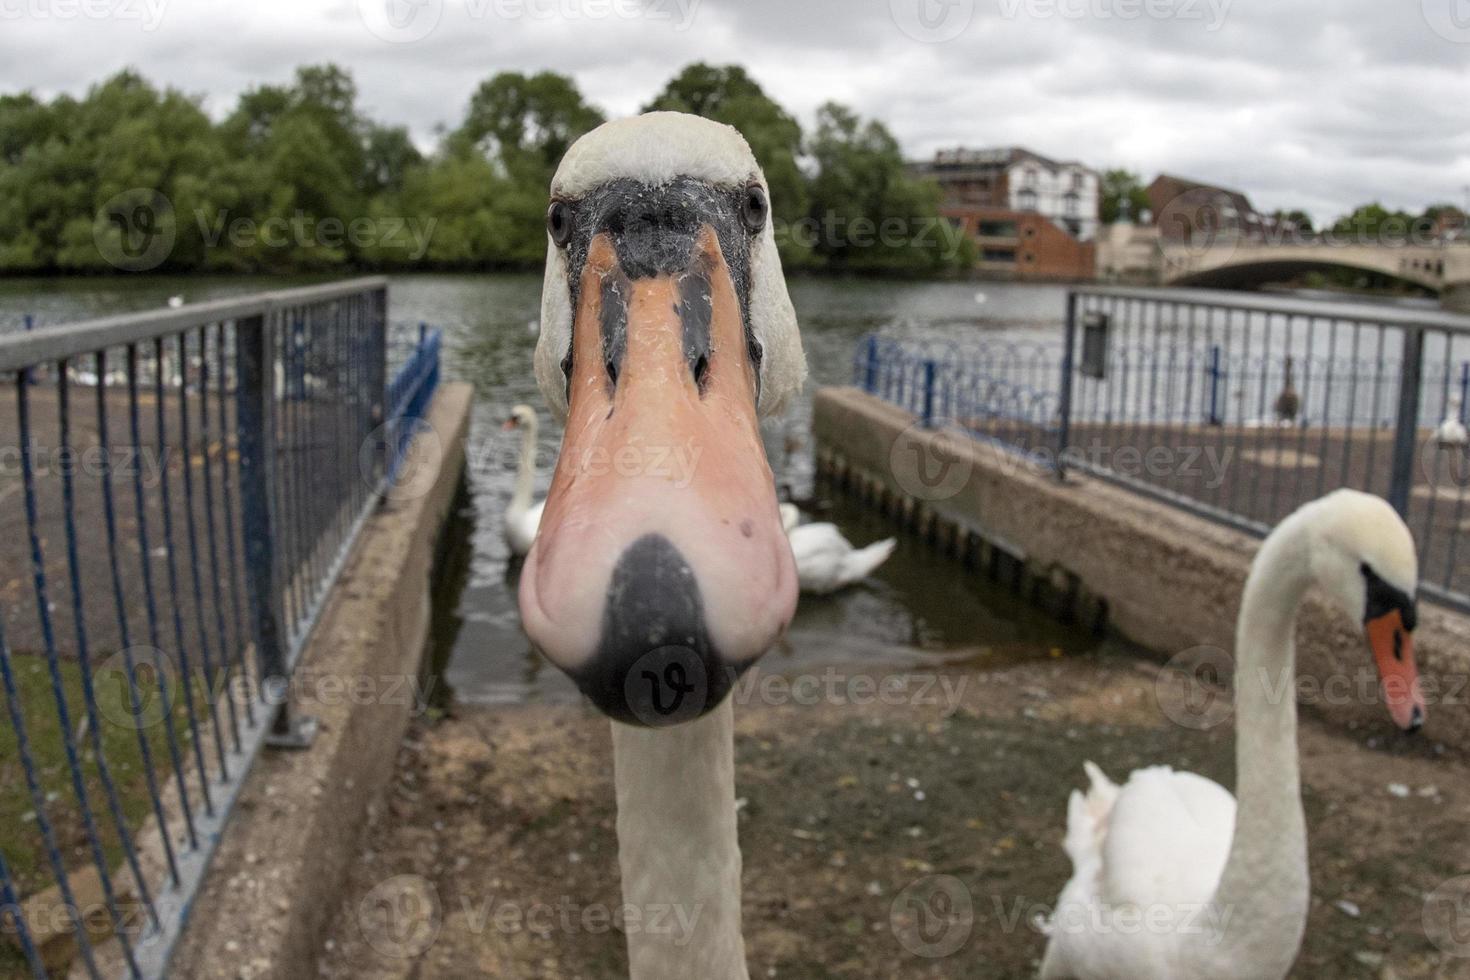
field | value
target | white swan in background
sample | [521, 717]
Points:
[660, 570]
[522, 517]
[1451, 432]
[825, 560]
[175, 302]
[1223, 885]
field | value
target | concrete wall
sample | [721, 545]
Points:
[1169, 581]
[276, 882]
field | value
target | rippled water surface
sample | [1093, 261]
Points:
[918, 608]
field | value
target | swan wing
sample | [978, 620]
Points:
[820, 551]
[826, 561]
[1167, 839]
[1158, 842]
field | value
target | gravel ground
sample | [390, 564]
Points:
[498, 835]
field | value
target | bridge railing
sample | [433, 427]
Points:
[178, 493]
[1236, 407]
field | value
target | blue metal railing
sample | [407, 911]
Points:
[1237, 408]
[193, 480]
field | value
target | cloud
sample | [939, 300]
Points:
[1297, 103]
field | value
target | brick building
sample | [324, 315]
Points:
[1031, 217]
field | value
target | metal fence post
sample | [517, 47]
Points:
[929, 371]
[376, 343]
[1064, 407]
[256, 420]
[1464, 388]
[870, 379]
[1216, 375]
[1406, 433]
[30, 324]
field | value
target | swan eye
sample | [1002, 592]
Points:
[754, 208]
[559, 223]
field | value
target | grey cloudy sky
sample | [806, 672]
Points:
[1305, 103]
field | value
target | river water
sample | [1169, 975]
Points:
[918, 609]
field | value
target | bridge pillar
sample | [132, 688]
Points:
[1456, 297]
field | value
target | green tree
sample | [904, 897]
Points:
[1117, 187]
[521, 126]
[526, 124]
[65, 162]
[729, 95]
[1295, 219]
[1374, 222]
[866, 211]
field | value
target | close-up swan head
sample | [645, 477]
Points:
[661, 569]
[1364, 556]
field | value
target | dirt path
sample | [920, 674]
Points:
[495, 854]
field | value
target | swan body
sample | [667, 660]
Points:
[825, 560]
[1172, 877]
[1451, 432]
[523, 514]
[1288, 403]
[175, 302]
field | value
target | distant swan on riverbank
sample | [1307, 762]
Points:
[522, 516]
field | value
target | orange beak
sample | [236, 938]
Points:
[660, 571]
[1393, 653]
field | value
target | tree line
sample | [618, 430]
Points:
[298, 177]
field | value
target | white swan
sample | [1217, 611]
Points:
[825, 560]
[175, 302]
[1172, 878]
[1451, 433]
[522, 517]
[660, 570]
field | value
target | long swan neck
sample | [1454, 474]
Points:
[1263, 895]
[679, 850]
[526, 468]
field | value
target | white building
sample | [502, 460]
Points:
[1020, 180]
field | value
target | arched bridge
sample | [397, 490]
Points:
[1442, 268]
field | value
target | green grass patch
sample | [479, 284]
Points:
[21, 839]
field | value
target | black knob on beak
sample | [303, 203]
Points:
[655, 665]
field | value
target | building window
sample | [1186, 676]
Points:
[1069, 203]
[1076, 180]
[1026, 199]
[998, 255]
[997, 229]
